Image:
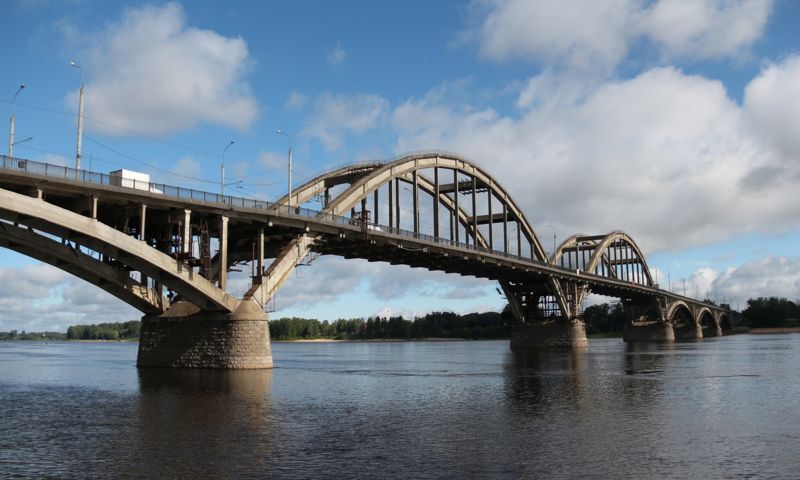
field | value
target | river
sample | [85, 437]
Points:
[718, 408]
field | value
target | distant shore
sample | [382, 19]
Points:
[759, 331]
[379, 340]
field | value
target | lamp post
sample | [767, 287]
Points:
[80, 119]
[554, 239]
[289, 198]
[11, 128]
[222, 170]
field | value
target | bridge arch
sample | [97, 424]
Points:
[72, 260]
[367, 180]
[706, 320]
[90, 233]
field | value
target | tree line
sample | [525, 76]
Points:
[106, 331]
[432, 325]
[766, 312]
[603, 319]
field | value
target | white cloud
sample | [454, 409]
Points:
[154, 74]
[295, 101]
[772, 103]
[667, 156]
[584, 34]
[336, 116]
[702, 29]
[337, 56]
[597, 34]
[330, 277]
[767, 277]
[45, 298]
[187, 166]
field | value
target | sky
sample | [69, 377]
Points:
[675, 121]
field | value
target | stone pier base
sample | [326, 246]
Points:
[186, 337]
[649, 332]
[688, 332]
[549, 336]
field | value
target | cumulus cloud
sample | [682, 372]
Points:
[330, 277]
[597, 34]
[152, 73]
[295, 101]
[702, 29]
[664, 155]
[45, 298]
[769, 276]
[336, 116]
[772, 103]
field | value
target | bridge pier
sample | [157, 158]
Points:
[653, 331]
[555, 335]
[187, 337]
[688, 332]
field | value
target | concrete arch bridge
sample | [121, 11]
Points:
[168, 250]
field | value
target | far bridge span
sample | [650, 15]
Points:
[151, 246]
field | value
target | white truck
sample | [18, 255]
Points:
[131, 179]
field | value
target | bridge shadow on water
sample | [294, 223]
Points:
[214, 418]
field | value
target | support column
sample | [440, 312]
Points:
[223, 253]
[455, 200]
[260, 247]
[391, 204]
[474, 212]
[436, 202]
[491, 223]
[415, 181]
[142, 215]
[187, 232]
[93, 207]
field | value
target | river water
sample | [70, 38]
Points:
[719, 408]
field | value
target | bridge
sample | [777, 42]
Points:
[167, 251]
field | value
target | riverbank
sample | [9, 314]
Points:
[761, 331]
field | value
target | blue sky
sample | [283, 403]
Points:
[674, 121]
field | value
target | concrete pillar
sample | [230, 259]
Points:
[94, 206]
[260, 251]
[187, 231]
[223, 253]
[186, 337]
[557, 335]
[648, 332]
[142, 215]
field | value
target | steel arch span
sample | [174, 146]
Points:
[475, 207]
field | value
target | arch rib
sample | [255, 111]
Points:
[83, 266]
[102, 238]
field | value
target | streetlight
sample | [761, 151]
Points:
[11, 128]
[554, 239]
[222, 170]
[80, 119]
[281, 132]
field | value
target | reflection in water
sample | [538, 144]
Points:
[542, 379]
[215, 414]
[722, 408]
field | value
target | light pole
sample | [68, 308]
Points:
[554, 239]
[80, 119]
[11, 128]
[222, 170]
[281, 132]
